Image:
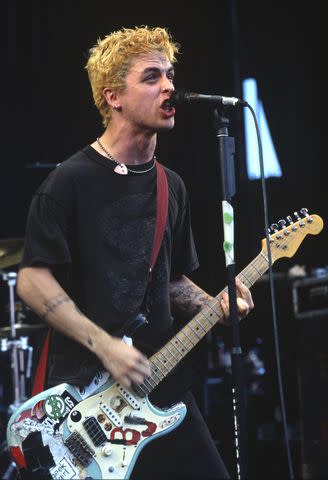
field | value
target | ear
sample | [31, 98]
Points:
[110, 96]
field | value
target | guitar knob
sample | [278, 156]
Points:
[305, 212]
[297, 216]
[76, 416]
[106, 450]
[274, 227]
[290, 220]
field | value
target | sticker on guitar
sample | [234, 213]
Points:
[100, 433]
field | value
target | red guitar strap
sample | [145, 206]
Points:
[161, 213]
[161, 216]
[40, 375]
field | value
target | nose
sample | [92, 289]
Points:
[167, 85]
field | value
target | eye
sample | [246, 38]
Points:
[152, 78]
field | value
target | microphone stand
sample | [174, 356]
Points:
[226, 153]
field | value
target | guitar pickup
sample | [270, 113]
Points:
[79, 448]
[94, 431]
[130, 399]
[112, 415]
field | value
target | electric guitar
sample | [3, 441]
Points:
[66, 433]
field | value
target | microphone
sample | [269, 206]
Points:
[180, 97]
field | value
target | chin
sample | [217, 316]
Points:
[166, 126]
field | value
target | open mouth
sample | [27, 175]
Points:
[167, 107]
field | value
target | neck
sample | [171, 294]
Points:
[128, 148]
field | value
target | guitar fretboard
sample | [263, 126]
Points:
[167, 358]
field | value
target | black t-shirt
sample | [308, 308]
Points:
[95, 229]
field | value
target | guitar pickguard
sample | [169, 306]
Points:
[96, 437]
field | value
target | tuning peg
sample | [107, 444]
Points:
[304, 211]
[290, 220]
[274, 227]
[282, 224]
[297, 216]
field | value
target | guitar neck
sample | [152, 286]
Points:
[163, 362]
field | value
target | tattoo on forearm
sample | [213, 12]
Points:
[189, 299]
[50, 307]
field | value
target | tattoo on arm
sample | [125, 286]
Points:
[90, 342]
[188, 299]
[50, 307]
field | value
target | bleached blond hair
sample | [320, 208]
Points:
[110, 59]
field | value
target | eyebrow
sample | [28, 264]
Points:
[157, 69]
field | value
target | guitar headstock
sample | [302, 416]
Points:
[287, 235]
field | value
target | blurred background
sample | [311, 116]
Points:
[48, 114]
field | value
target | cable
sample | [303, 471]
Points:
[273, 302]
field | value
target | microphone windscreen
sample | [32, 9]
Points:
[178, 97]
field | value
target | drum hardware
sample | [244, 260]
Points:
[17, 347]
[22, 329]
[23, 367]
[11, 253]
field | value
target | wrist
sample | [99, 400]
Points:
[97, 341]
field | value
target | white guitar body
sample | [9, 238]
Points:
[99, 437]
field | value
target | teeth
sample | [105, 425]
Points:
[166, 105]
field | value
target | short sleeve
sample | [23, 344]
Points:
[48, 231]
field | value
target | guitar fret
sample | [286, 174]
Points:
[217, 307]
[171, 353]
[245, 280]
[183, 331]
[258, 271]
[195, 333]
[262, 264]
[204, 312]
[149, 379]
[172, 342]
[201, 326]
[265, 257]
[155, 371]
[183, 345]
[166, 359]
[161, 362]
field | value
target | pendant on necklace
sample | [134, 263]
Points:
[121, 169]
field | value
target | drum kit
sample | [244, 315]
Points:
[15, 348]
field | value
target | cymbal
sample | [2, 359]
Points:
[11, 251]
[22, 329]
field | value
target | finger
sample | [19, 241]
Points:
[125, 381]
[136, 378]
[143, 367]
[225, 304]
[241, 287]
[244, 292]
[243, 307]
